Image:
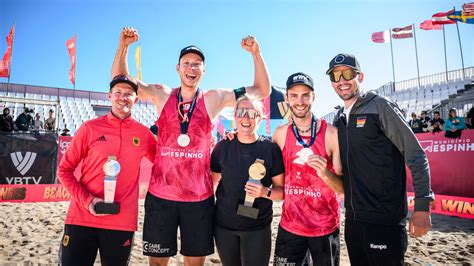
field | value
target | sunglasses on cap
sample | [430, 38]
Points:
[347, 74]
[250, 113]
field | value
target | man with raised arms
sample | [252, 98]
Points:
[180, 192]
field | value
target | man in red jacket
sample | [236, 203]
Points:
[118, 137]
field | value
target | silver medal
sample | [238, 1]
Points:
[183, 140]
[305, 153]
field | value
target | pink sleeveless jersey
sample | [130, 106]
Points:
[182, 173]
[310, 207]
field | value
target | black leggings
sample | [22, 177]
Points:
[243, 247]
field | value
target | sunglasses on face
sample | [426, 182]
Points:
[347, 74]
[247, 112]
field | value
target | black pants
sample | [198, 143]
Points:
[247, 248]
[292, 249]
[374, 244]
[79, 246]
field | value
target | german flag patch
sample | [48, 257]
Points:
[361, 121]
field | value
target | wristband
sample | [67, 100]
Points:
[269, 192]
[239, 92]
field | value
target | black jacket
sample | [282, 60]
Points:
[6, 123]
[374, 148]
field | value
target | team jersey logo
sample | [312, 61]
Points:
[136, 141]
[65, 240]
[303, 156]
[361, 121]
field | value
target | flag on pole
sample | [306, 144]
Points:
[71, 47]
[6, 60]
[468, 8]
[462, 17]
[137, 62]
[428, 25]
[381, 36]
[402, 33]
[442, 18]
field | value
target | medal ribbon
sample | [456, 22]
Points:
[313, 133]
[185, 122]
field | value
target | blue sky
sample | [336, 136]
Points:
[293, 35]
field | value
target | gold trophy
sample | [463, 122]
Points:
[111, 171]
[257, 172]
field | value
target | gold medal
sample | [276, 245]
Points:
[257, 170]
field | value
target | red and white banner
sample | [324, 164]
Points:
[7, 57]
[402, 33]
[442, 18]
[450, 163]
[71, 47]
[449, 205]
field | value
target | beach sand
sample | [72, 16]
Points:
[30, 234]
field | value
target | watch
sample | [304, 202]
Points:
[269, 192]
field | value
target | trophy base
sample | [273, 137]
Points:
[107, 208]
[247, 211]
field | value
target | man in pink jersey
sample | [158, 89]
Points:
[180, 192]
[113, 137]
[310, 216]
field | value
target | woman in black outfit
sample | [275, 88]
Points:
[240, 239]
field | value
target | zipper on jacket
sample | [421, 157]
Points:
[348, 168]
[120, 133]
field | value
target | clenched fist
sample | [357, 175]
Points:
[128, 36]
[250, 44]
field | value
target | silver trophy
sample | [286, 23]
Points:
[111, 171]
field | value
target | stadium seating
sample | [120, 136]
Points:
[73, 111]
[432, 92]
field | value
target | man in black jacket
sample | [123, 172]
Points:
[375, 143]
[6, 121]
[24, 120]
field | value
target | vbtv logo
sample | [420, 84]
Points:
[23, 164]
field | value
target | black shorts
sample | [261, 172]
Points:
[79, 246]
[375, 244]
[291, 249]
[237, 248]
[162, 218]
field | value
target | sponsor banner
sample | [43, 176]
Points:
[449, 205]
[44, 193]
[33, 193]
[63, 144]
[450, 163]
[28, 158]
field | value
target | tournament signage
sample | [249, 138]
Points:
[450, 163]
[28, 158]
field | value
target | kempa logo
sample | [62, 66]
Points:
[23, 164]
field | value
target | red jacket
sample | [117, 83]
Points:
[95, 140]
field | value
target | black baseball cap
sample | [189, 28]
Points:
[125, 79]
[299, 78]
[343, 60]
[191, 49]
